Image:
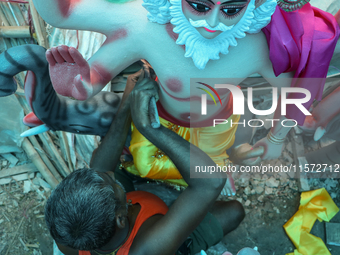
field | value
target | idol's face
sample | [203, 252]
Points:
[212, 17]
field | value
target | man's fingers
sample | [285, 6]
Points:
[141, 75]
[147, 72]
[140, 107]
[146, 84]
[135, 77]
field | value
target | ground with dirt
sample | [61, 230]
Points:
[270, 200]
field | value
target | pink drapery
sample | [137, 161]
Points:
[302, 41]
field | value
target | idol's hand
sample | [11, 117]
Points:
[140, 98]
[70, 72]
[271, 150]
[311, 125]
[244, 154]
[323, 114]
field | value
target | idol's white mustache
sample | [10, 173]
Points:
[203, 23]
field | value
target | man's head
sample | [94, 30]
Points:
[85, 210]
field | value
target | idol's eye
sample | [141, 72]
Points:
[199, 7]
[231, 11]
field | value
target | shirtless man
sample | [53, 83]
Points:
[88, 212]
[205, 39]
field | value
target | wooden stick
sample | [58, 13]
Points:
[18, 14]
[15, 32]
[10, 18]
[27, 168]
[38, 30]
[23, 103]
[66, 148]
[15, 235]
[34, 156]
[46, 160]
[9, 15]
[16, 178]
[4, 44]
[20, 92]
[6, 23]
[47, 141]
[44, 32]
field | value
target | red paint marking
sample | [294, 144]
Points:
[119, 34]
[211, 31]
[185, 99]
[174, 85]
[31, 120]
[218, 3]
[169, 28]
[99, 75]
[30, 83]
[66, 6]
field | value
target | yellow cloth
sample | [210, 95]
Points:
[152, 163]
[316, 204]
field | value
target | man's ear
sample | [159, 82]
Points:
[259, 2]
[120, 221]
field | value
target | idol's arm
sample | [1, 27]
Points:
[108, 61]
[83, 79]
[273, 142]
[91, 15]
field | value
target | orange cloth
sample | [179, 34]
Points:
[315, 204]
[150, 205]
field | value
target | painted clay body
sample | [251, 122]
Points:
[134, 37]
[131, 36]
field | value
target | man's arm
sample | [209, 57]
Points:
[168, 233]
[106, 156]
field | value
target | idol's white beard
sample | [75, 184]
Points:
[200, 49]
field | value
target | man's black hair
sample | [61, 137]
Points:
[80, 213]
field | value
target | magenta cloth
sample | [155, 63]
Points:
[303, 41]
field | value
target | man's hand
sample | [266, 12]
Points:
[140, 98]
[131, 82]
[271, 151]
[244, 154]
